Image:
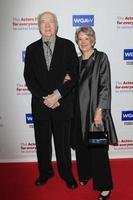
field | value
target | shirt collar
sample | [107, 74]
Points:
[52, 39]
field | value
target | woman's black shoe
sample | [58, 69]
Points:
[101, 197]
[84, 182]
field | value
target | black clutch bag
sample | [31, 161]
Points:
[97, 136]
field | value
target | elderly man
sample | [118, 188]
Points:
[48, 62]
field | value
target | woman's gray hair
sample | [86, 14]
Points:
[48, 12]
[89, 31]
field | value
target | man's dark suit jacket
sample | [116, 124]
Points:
[42, 82]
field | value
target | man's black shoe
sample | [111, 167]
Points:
[41, 180]
[72, 184]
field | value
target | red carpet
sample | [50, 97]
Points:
[17, 183]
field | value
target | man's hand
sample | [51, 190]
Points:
[67, 78]
[51, 101]
[55, 105]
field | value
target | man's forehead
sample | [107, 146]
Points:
[47, 16]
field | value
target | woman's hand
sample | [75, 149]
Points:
[98, 117]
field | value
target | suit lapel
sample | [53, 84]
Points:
[57, 52]
[55, 57]
[40, 54]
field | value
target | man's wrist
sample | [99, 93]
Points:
[57, 94]
[99, 109]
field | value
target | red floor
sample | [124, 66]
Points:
[17, 183]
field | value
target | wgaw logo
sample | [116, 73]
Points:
[128, 54]
[23, 56]
[127, 115]
[83, 20]
[29, 118]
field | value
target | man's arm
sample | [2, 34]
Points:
[52, 100]
[29, 76]
[70, 78]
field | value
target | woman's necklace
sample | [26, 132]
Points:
[88, 54]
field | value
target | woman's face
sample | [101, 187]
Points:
[84, 42]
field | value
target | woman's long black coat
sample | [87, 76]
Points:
[93, 90]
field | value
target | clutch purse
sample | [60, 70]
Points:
[97, 136]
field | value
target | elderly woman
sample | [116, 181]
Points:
[93, 105]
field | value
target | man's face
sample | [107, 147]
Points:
[47, 25]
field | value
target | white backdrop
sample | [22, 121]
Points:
[113, 23]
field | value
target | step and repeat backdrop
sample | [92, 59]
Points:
[113, 23]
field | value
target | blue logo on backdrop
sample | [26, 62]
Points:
[127, 115]
[29, 119]
[128, 54]
[83, 20]
[23, 56]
